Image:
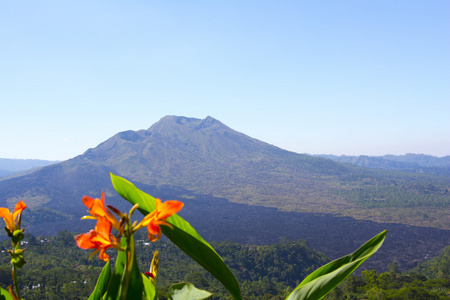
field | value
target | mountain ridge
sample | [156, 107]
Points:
[410, 162]
[207, 157]
[15, 166]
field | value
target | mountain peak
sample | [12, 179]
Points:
[169, 124]
[171, 120]
[174, 132]
[209, 122]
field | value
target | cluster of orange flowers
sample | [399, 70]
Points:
[101, 238]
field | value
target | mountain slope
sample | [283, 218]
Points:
[208, 166]
[207, 157]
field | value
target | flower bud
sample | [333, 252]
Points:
[17, 236]
[18, 262]
[17, 258]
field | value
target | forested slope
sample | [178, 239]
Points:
[57, 269]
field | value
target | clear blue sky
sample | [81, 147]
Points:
[331, 77]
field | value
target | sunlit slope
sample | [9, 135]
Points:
[207, 157]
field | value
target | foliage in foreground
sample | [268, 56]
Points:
[50, 257]
[262, 269]
[125, 280]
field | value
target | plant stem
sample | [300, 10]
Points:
[16, 286]
[128, 265]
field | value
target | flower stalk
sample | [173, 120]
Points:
[16, 285]
[13, 223]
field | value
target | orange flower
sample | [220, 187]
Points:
[158, 217]
[10, 218]
[97, 210]
[99, 239]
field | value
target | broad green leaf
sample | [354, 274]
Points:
[187, 291]
[183, 235]
[5, 295]
[149, 288]
[319, 283]
[102, 283]
[116, 284]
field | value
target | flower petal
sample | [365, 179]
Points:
[98, 238]
[154, 231]
[98, 208]
[169, 208]
[18, 209]
[20, 206]
[103, 256]
[84, 240]
[153, 228]
[103, 230]
[88, 201]
[147, 219]
[5, 213]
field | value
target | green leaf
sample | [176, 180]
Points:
[183, 235]
[115, 282]
[187, 291]
[5, 295]
[319, 283]
[149, 288]
[102, 283]
[118, 281]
